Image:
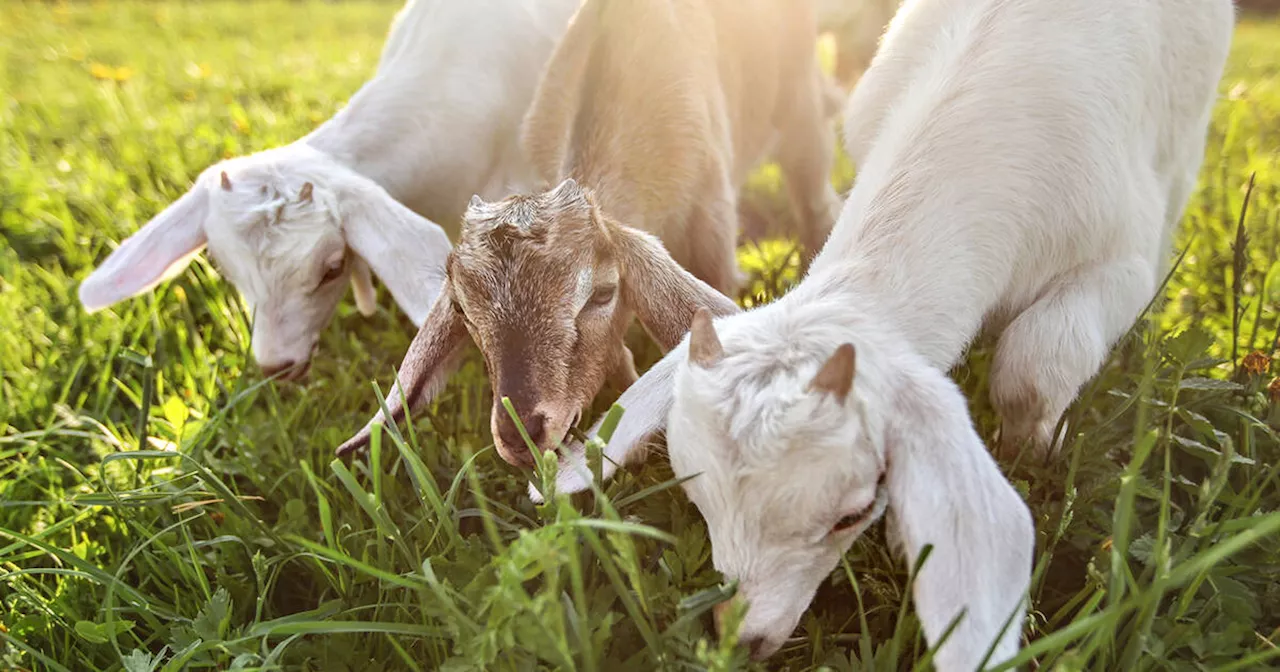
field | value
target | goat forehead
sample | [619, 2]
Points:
[522, 281]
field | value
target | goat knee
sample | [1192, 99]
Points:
[1058, 343]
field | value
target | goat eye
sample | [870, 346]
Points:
[852, 520]
[333, 272]
[604, 295]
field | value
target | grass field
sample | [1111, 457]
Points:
[163, 508]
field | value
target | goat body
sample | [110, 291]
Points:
[648, 116]
[1023, 165]
[662, 108]
[438, 122]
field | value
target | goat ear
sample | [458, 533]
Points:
[157, 252]
[646, 404]
[946, 491]
[662, 293]
[432, 357]
[835, 378]
[362, 287]
[405, 250]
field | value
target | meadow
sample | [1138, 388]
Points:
[162, 507]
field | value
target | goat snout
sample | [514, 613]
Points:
[517, 452]
[757, 645]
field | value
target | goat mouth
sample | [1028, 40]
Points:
[572, 433]
[298, 372]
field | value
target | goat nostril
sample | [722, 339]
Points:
[536, 427]
[509, 433]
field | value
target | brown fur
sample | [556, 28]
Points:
[649, 116]
[513, 288]
[662, 107]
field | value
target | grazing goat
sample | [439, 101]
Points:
[289, 226]
[1023, 163]
[650, 114]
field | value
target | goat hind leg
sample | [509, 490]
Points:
[1058, 343]
[713, 241]
[806, 150]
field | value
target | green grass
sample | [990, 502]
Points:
[162, 507]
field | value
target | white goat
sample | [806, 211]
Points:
[290, 225]
[1022, 163]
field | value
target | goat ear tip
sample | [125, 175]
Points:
[90, 307]
[87, 294]
[704, 345]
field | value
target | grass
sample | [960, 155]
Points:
[161, 507]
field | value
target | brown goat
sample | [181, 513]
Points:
[650, 114]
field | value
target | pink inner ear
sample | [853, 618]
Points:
[362, 287]
[158, 251]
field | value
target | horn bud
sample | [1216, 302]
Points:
[226, 182]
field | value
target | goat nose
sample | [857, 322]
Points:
[755, 645]
[534, 425]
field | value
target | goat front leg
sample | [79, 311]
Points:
[1058, 343]
[805, 154]
[712, 232]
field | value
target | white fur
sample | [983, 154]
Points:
[437, 123]
[1022, 163]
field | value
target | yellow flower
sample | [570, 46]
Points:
[108, 73]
